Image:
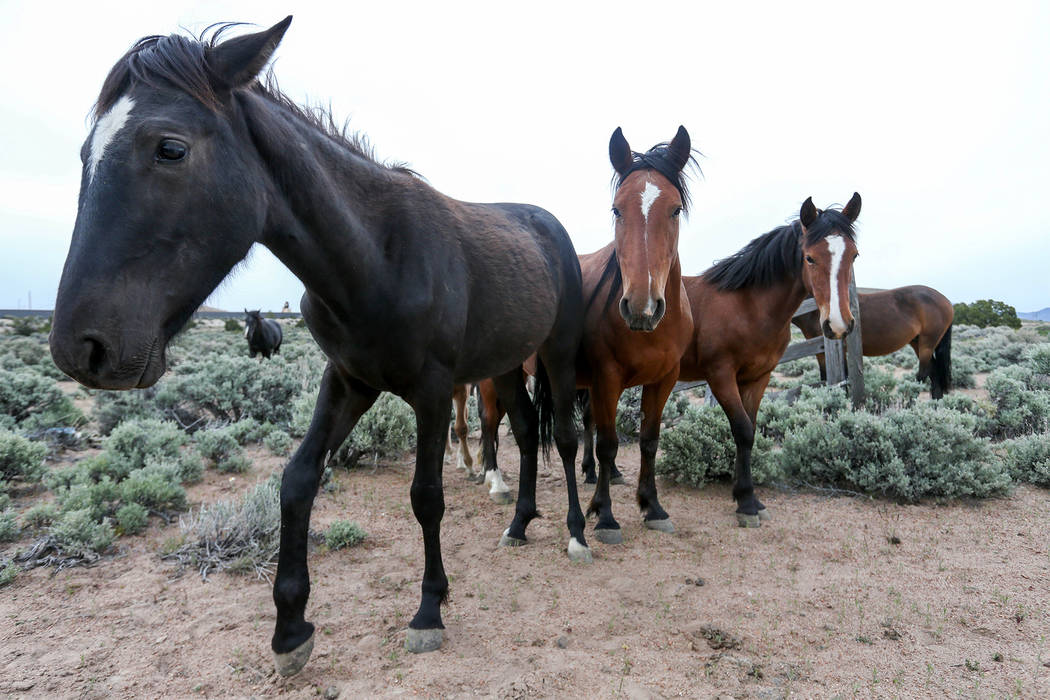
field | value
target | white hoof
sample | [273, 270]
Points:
[579, 553]
[764, 515]
[292, 662]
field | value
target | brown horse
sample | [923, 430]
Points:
[918, 316]
[742, 308]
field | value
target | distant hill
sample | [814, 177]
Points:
[1041, 315]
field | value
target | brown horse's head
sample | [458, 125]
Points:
[650, 197]
[828, 252]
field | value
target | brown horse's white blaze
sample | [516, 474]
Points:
[828, 270]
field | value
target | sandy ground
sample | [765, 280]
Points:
[835, 596]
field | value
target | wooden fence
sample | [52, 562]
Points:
[844, 359]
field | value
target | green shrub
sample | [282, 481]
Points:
[991, 348]
[98, 498]
[78, 533]
[235, 464]
[278, 442]
[39, 516]
[1021, 406]
[1038, 358]
[134, 442]
[132, 519]
[1028, 458]
[9, 529]
[302, 413]
[217, 445]
[8, 574]
[388, 429]
[35, 402]
[155, 487]
[232, 326]
[28, 325]
[884, 391]
[777, 419]
[20, 458]
[111, 408]
[249, 430]
[700, 448]
[963, 370]
[343, 533]
[629, 412]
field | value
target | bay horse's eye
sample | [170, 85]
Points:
[810, 260]
[171, 150]
[616, 212]
[676, 213]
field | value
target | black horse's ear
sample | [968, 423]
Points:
[808, 213]
[236, 62]
[620, 153]
[852, 209]
[680, 148]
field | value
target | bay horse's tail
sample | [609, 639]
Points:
[941, 366]
[543, 400]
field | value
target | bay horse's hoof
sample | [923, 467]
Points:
[579, 553]
[664, 525]
[501, 497]
[422, 641]
[764, 515]
[608, 535]
[507, 541]
[745, 520]
[292, 662]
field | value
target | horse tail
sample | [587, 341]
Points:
[543, 401]
[941, 370]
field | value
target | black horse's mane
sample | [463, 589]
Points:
[777, 255]
[181, 62]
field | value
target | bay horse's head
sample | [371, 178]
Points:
[650, 198]
[172, 196]
[828, 251]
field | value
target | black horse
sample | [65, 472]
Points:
[263, 334]
[191, 161]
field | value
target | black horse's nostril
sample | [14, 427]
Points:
[625, 309]
[96, 354]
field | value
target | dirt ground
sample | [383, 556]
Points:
[836, 596]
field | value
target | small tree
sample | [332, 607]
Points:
[987, 312]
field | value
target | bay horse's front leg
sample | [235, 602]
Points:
[750, 512]
[491, 411]
[587, 465]
[604, 395]
[426, 631]
[340, 403]
[464, 460]
[654, 396]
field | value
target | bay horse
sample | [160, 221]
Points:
[915, 315]
[742, 308]
[263, 334]
[191, 161]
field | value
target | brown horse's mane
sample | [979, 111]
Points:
[181, 62]
[775, 256]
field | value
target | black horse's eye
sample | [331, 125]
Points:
[810, 260]
[616, 212]
[171, 150]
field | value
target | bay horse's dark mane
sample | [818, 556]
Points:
[775, 256]
[659, 158]
[181, 62]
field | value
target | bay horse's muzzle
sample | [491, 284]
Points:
[829, 333]
[646, 320]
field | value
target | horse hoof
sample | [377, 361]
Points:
[590, 480]
[507, 541]
[617, 480]
[764, 515]
[292, 662]
[422, 641]
[745, 520]
[501, 497]
[608, 535]
[664, 525]
[478, 478]
[579, 553]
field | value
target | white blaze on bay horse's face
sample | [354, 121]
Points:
[828, 266]
[107, 127]
[836, 248]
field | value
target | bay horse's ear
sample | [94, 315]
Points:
[236, 62]
[852, 209]
[680, 148]
[808, 213]
[620, 153]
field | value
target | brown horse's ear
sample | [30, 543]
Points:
[620, 153]
[808, 213]
[852, 209]
[236, 62]
[680, 148]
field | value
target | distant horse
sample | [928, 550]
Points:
[191, 161]
[742, 309]
[917, 316]
[263, 334]
[487, 395]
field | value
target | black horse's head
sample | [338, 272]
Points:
[172, 197]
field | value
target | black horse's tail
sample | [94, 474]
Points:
[543, 400]
[941, 370]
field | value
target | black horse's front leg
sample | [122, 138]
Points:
[433, 411]
[340, 403]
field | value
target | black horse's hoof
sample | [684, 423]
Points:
[507, 541]
[664, 525]
[292, 662]
[590, 479]
[608, 535]
[422, 641]
[617, 480]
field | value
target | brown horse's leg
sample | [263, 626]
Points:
[725, 389]
[340, 403]
[654, 396]
[492, 412]
[464, 461]
[604, 394]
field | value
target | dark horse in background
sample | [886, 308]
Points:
[263, 334]
[918, 316]
[189, 164]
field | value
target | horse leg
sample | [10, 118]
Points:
[751, 396]
[727, 392]
[604, 395]
[654, 396]
[433, 411]
[340, 403]
[925, 355]
[492, 416]
[464, 461]
[587, 465]
[525, 425]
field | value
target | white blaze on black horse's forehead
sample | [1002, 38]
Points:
[106, 129]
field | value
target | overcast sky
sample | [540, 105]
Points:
[938, 115]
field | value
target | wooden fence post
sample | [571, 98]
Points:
[855, 350]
